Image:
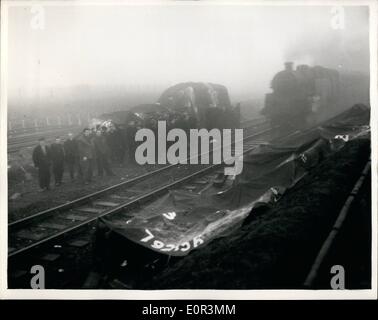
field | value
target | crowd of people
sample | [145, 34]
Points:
[106, 145]
[80, 156]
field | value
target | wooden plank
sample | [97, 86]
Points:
[106, 203]
[189, 187]
[25, 234]
[55, 226]
[125, 197]
[201, 181]
[50, 257]
[90, 210]
[79, 243]
[75, 217]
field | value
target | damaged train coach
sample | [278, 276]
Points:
[185, 105]
[189, 105]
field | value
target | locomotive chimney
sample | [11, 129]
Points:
[289, 66]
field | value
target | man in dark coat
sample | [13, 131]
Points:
[131, 130]
[57, 157]
[71, 151]
[102, 154]
[116, 143]
[42, 161]
[86, 154]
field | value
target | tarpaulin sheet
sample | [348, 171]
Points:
[183, 220]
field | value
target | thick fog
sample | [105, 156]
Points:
[118, 56]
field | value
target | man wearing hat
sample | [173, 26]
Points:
[42, 161]
[57, 157]
[86, 154]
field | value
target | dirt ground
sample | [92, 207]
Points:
[276, 247]
[30, 200]
[24, 198]
[352, 246]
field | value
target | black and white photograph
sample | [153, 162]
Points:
[189, 149]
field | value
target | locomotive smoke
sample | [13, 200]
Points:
[343, 46]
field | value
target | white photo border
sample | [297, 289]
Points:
[6, 293]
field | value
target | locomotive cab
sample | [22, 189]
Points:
[300, 96]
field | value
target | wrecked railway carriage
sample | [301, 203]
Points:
[185, 105]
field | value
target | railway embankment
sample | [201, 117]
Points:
[265, 252]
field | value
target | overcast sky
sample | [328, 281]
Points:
[153, 47]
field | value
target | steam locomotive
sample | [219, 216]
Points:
[300, 96]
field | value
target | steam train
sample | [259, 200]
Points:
[300, 95]
[299, 99]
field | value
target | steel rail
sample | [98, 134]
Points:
[17, 143]
[89, 197]
[143, 197]
[324, 250]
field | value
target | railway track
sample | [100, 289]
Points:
[16, 143]
[315, 273]
[41, 228]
